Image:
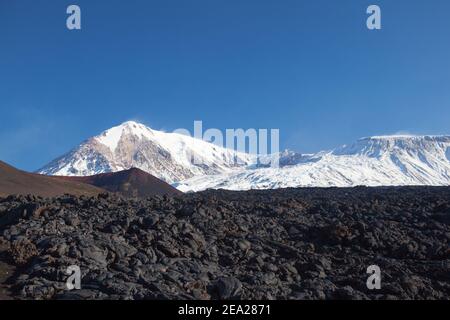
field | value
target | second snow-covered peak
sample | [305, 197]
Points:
[377, 146]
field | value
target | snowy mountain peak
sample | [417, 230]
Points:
[378, 160]
[410, 139]
[404, 137]
[372, 161]
[168, 156]
[377, 146]
[111, 137]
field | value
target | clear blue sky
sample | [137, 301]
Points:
[310, 68]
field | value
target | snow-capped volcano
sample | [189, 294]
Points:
[168, 156]
[374, 161]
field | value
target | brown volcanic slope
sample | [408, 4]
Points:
[130, 183]
[14, 181]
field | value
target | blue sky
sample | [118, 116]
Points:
[310, 68]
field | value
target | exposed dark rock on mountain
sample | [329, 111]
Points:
[282, 244]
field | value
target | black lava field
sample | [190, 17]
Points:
[307, 243]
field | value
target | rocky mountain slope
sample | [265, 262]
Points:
[129, 183]
[13, 181]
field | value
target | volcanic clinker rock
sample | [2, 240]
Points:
[279, 244]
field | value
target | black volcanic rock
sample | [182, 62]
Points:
[306, 243]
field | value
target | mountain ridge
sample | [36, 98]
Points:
[167, 156]
[373, 161]
[130, 183]
[15, 181]
[127, 183]
[370, 161]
